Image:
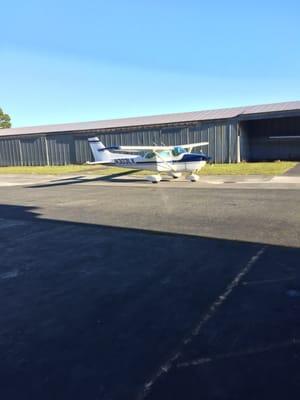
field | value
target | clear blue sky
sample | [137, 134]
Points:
[67, 61]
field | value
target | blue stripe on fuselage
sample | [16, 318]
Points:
[188, 157]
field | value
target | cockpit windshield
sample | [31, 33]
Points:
[178, 150]
[160, 154]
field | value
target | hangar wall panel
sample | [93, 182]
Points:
[33, 151]
[67, 148]
[244, 143]
[232, 142]
[61, 149]
[10, 153]
[82, 149]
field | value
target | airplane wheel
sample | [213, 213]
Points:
[153, 178]
[176, 175]
[193, 178]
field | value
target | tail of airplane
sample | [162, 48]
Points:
[100, 153]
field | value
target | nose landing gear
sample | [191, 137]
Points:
[193, 177]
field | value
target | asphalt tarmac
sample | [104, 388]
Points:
[149, 292]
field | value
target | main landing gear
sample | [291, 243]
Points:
[176, 175]
[157, 178]
[153, 178]
[193, 178]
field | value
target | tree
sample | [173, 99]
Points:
[4, 120]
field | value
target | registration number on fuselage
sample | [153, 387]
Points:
[123, 161]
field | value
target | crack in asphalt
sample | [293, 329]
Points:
[167, 365]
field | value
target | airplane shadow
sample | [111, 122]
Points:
[90, 311]
[117, 177]
[82, 179]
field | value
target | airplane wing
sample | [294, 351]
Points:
[143, 148]
[192, 145]
[159, 148]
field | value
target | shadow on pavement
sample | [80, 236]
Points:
[94, 312]
[295, 171]
[82, 179]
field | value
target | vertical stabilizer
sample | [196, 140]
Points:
[99, 151]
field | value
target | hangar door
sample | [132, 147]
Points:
[272, 139]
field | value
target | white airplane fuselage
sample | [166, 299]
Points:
[172, 161]
[187, 162]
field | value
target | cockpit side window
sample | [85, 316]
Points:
[178, 150]
[164, 154]
[149, 155]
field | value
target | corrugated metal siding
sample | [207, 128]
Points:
[233, 132]
[10, 152]
[218, 155]
[82, 149]
[170, 136]
[225, 143]
[244, 143]
[33, 151]
[60, 149]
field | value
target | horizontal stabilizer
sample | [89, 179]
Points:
[98, 162]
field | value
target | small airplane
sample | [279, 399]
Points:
[174, 160]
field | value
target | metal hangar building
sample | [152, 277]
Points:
[255, 133]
